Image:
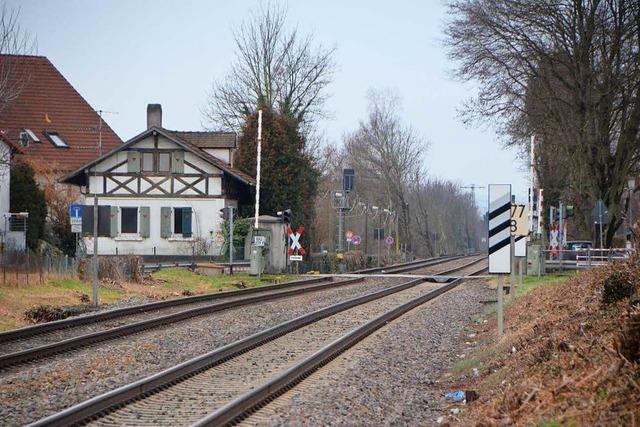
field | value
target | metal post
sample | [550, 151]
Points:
[600, 223]
[366, 228]
[379, 227]
[521, 267]
[94, 296]
[231, 240]
[340, 229]
[512, 279]
[561, 234]
[500, 304]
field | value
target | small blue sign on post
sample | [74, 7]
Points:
[75, 211]
[75, 218]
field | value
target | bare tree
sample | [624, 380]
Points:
[14, 41]
[279, 66]
[386, 151]
[568, 70]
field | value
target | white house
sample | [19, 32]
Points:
[5, 160]
[160, 193]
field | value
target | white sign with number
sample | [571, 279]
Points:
[520, 229]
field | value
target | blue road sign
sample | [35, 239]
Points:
[75, 211]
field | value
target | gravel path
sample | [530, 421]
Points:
[390, 377]
[30, 392]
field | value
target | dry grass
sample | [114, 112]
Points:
[58, 291]
[576, 360]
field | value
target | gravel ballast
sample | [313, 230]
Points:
[32, 391]
[390, 377]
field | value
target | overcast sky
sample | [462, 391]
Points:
[122, 55]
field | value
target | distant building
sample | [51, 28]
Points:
[49, 119]
[161, 191]
[7, 150]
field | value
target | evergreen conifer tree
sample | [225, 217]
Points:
[26, 196]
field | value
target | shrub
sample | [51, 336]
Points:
[617, 286]
[49, 313]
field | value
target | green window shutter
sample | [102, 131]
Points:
[113, 229]
[143, 221]
[104, 221]
[186, 222]
[165, 222]
[177, 162]
[87, 220]
[133, 161]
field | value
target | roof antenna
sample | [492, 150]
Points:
[100, 112]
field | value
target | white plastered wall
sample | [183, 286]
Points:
[5, 157]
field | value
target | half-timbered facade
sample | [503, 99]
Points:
[160, 192]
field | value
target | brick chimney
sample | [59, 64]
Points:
[154, 115]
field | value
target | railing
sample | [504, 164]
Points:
[29, 268]
[583, 258]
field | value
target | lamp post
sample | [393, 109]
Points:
[631, 185]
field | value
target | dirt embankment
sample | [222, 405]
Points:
[570, 356]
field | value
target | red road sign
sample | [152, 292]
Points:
[295, 248]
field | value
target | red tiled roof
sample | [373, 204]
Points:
[48, 102]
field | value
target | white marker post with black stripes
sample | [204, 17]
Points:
[500, 239]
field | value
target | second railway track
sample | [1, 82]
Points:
[201, 387]
[48, 339]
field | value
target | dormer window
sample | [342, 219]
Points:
[56, 139]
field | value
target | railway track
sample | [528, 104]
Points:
[81, 332]
[206, 389]
[48, 339]
[408, 266]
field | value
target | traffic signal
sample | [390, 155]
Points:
[569, 211]
[348, 180]
[287, 216]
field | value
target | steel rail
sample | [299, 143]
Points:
[243, 406]
[42, 328]
[430, 261]
[104, 403]
[79, 341]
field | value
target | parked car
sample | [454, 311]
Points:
[575, 248]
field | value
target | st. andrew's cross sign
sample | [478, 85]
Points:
[295, 248]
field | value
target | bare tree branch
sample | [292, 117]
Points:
[275, 65]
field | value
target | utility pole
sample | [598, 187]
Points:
[473, 188]
[231, 240]
[94, 294]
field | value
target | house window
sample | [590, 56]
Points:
[147, 162]
[164, 162]
[32, 135]
[182, 221]
[177, 220]
[128, 220]
[56, 139]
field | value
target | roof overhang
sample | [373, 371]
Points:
[79, 176]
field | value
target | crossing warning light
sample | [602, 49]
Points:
[287, 216]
